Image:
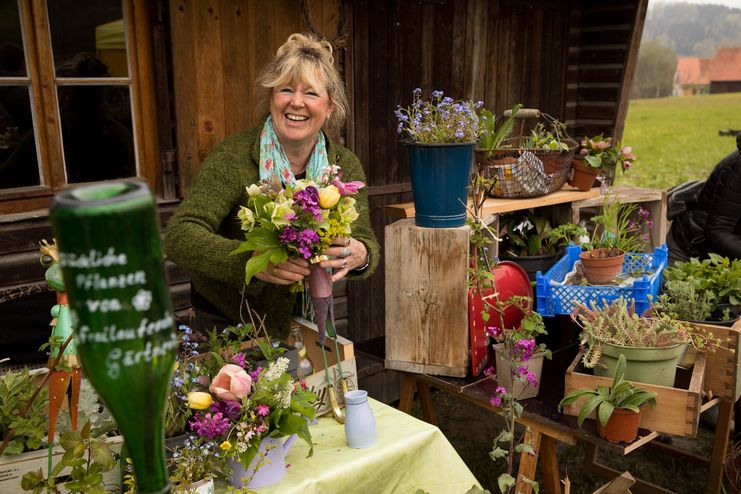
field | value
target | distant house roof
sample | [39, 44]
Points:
[726, 66]
[693, 70]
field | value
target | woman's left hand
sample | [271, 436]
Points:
[349, 254]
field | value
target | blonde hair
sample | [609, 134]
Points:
[306, 58]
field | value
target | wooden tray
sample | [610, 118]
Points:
[677, 409]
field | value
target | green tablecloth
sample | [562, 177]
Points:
[409, 455]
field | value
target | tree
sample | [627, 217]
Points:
[654, 75]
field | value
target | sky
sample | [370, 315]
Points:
[728, 3]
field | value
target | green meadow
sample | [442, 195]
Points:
[676, 139]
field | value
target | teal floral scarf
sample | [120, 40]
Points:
[274, 162]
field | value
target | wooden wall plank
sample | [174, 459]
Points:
[235, 37]
[186, 94]
[209, 75]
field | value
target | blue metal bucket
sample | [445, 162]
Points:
[440, 180]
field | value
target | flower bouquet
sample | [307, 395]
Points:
[240, 408]
[299, 220]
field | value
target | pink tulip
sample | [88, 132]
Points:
[627, 153]
[602, 145]
[231, 383]
[347, 188]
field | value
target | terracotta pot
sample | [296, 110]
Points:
[601, 266]
[583, 176]
[622, 426]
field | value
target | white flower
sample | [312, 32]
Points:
[247, 217]
[524, 225]
[253, 190]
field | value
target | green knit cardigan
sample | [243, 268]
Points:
[204, 229]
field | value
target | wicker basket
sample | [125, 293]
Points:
[522, 173]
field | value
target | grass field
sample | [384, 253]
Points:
[676, 139]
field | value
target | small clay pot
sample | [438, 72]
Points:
[622, 427]
[601, 266]
[583, 176]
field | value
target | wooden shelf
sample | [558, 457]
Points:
[496, 205]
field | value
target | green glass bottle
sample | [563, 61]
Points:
[122, 316]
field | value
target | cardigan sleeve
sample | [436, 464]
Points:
[362, 229]
[192, 239]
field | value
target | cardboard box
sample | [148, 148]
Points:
[317, 382]
[12, 468]
[677, 410]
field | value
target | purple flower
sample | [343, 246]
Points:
[209, 425]
[239, 359]
[288, 235]
[495, 401]
[493, 331]
[228, 408]
[263, 410]
[489, 371]
[308, 199]
[255, 374]
[531, 380]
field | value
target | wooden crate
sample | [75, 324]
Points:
[12, 468]
[317, 382]
[426, 299]
[722, 370]
[652, 199]
[677, 410]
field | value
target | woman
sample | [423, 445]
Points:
[711, 222]
[304, 94]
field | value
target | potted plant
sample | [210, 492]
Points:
[29, 430]
[707, 291]
[529, 240]
[652, 345]
[621, 228]
[598, 155]
[618, 407]
[439, 134]
[193, 464]
[519, 360]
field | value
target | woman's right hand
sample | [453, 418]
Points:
[285, 273]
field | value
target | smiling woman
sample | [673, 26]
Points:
[304, 94]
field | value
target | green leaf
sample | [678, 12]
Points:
[504, 436]
[101, 454]
[256, 264]
[498, 453]
[31, 479]
[525, 448]
[70, 439]
[15, 447]
[505, 481]
[85, 433]
[588, 407]
[604, 412]
[96, 489]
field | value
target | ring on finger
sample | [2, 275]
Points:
[345, 252]
[344, 264]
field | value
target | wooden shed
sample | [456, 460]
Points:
[188, 83]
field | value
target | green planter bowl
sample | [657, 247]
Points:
[647, 365]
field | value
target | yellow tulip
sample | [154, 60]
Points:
[198, 400]
[226, 445]
[329, 196]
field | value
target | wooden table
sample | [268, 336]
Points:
[545, 425]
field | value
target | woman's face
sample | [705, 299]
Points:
[298, 112]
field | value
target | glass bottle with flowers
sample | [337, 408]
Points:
[440, 134]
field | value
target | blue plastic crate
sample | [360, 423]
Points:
[559, 299]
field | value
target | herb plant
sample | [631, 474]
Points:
[528, 234]
[29, 431]
[88, 458]
[620, 226]
[621, 394]
[617, 323]
[716, 274]
[493, 131]
[683, 299]
[545, 140]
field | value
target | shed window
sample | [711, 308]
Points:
[71, 91]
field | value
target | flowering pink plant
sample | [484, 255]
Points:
[299, 220]
[601, 152]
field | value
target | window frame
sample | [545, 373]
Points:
[43, 83]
